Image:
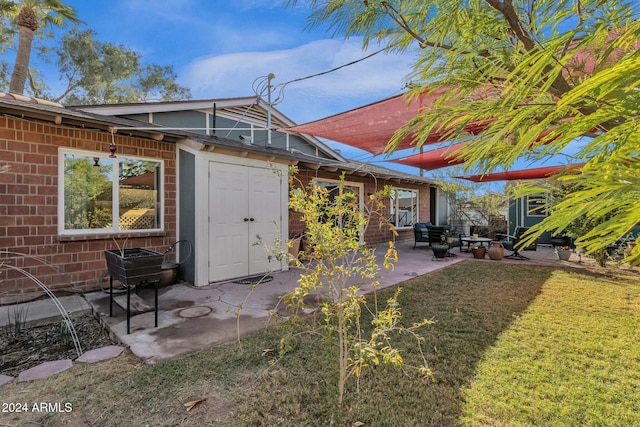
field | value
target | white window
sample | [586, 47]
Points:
[92, 201]
[403, 207]
[537, 205]
[349, 187]
[333, 186]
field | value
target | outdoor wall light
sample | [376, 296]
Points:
[112, 146]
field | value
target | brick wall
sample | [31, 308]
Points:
[374, 234]
[29, 208]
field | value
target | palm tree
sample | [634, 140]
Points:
[29, 17]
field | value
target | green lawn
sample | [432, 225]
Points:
[511, 345]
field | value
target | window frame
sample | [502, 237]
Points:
[115, 229]
[358, 185]
[539, 207]
[417, 213]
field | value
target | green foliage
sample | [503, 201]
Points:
[104, 73]
[339, 265]
[155, 82]
[537, 75]
[587, 209]
[130, 167]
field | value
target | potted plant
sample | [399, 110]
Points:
[440, 250]
[563, 252]
[133, 267]
[561, 240]
[478, 251]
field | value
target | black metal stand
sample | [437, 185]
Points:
[110, 296]
[128, 308]
[517, 255]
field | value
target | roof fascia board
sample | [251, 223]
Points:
[351, 169]
[75, 118]
[159, 107]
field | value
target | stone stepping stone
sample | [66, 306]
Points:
[45, 370]
[5, 379]
[99, 354]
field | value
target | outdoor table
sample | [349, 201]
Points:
[473, 240]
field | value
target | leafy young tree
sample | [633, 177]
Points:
[30, 16]
[339, 267]
[536, 76]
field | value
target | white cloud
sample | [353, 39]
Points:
[232, 75]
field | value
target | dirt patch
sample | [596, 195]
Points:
[32, 345]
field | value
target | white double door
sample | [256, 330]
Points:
[244, 202]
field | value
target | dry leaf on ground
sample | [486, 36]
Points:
[193, 403]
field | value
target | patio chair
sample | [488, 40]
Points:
[421, 232]
[512, 244]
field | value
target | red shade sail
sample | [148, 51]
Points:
[371, 127]
[450, 155]
[536, 173]
[435, 159]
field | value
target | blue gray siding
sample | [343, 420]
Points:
[231, 129]
[187, 208]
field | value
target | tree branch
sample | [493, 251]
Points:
[402, 22]
[507, 10]
[399, 19]
[70, 87]
[559, 86]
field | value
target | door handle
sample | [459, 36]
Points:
[246, 219]
[252, 219]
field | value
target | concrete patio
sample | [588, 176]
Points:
[191, 319]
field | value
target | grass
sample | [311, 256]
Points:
[573, 359]
[511, 346]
